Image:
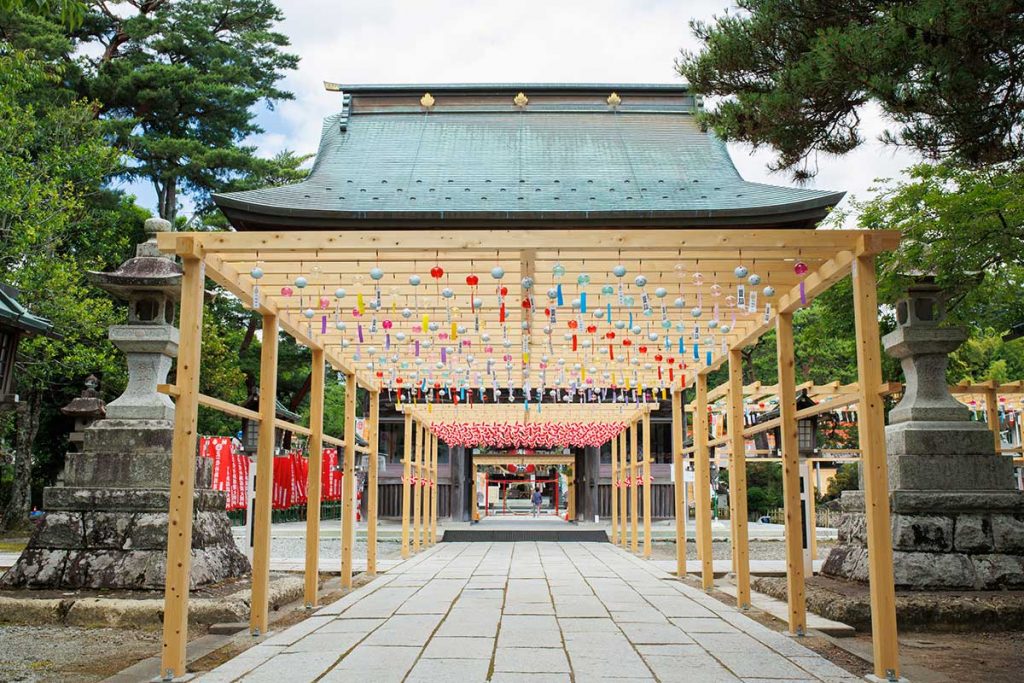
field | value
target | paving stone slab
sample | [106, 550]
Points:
[461, 670]
[380, 664]
[530, 660]
[459, 648]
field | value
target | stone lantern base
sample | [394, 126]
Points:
[942, 540]
[107, 528]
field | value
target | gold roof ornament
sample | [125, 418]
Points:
[520, 100]
[614, 100]
[427, 101]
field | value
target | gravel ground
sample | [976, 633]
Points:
[759, 550]
[61, 653]
[287, 547]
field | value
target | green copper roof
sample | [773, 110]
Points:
[475, 158]
[13, 314]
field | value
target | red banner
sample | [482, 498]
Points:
[230, 469]
[290, 474]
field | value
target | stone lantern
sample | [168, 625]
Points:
[85, 410]
[957, 520]
[106, 526]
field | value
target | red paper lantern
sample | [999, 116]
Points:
[591, 329]
[512, 468]
[526, 303]
[627, 342]
[437, 272]
[658, 357]
[504, 291]
[610, 335]
[472, 280]
[531, 468]
[642, 349]
[573, 324]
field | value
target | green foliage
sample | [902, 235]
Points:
[56, 223]
[69, 12]
[795, 74]
[986, 356]
[53, 162]
[764, 487]
[177, 82]
[964, 225]
[845, 479]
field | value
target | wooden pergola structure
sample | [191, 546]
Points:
[444, 351]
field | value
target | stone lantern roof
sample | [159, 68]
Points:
[88, 406]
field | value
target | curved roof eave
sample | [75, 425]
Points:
[247, 215]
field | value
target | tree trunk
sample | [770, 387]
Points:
[20, 503]
[167, 198]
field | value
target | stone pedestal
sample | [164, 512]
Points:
[957, 520]
[106, 526]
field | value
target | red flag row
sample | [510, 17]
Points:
[290, 472]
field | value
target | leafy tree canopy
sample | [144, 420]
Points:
[965, 226]
[795, 74]
[177, 83]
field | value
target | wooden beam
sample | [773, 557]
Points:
[406, 479]
[371, 485]
[677, 469]
[871, 428]
[259, 608]
[738, 481]
[183, 472]
[316, 426]
[791, 475]
[702, 482]
[647, 484]
[488, 240]
[348, 479]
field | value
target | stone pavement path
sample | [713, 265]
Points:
[534, 612]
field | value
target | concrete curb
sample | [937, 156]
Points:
[114, 612]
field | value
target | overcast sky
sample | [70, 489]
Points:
[467, 41]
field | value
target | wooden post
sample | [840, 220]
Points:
[992, 413]
[738, 481]
[647, 483]
[813, 508]
[702, 481]
[406, 477]
[434, 489]
[183, 471]
[417, 493]
[791, 475]
[348, 482]
[677, 469]
[474, 508]
[316, 431]
[613, 494]
[623, 494]
[371, 485]
[259, 604]
[634, 501]
[871, 428]
[424, 484]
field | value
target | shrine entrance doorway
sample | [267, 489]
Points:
[505, 484]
